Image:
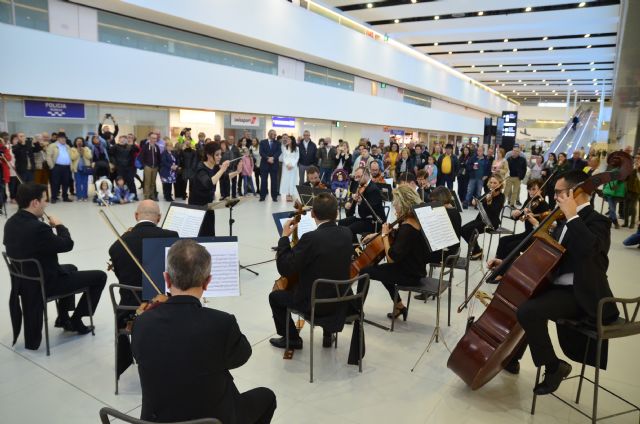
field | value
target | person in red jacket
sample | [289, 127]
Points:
[5, 152]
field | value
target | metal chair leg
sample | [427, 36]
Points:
[533, 402]
[596, 382]
[311, 353]
[46, 327]
[90, 309]
[286, 333]
[584, 361]
[449, 301]
[393, 308]
[361, 341]
[335, 341]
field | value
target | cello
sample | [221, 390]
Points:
[490, 342]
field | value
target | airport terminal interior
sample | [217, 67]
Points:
[469, 170]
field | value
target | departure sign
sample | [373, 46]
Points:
[509, 128]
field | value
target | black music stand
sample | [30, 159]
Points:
[308, 193]
[386, 190]
[456, 200]
[230, 204]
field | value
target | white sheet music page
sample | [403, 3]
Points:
[225, 269]
[436, 226]
[185, 221]
[306, 224]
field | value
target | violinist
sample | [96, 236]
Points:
[580, 283]
[323, 253]
[493, 203]
[367, 202]
[407, 256]
[532, 214]
[313, 178]
[26, 236]
[423, 185]
[376, 173]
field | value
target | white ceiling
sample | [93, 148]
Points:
[487, 33]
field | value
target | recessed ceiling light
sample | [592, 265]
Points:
[587, 35]
[589, 46]
[594, 80]
[533, 91]
[473, 66]
[503, 84]
[480, 13]
[555, 94]
[570, 83]
[593, 69]
[435, 44]
[562, 70]
[582, 4]
[396, 21]
[547, 84]
[369, 5]
[535, 70]
[436, 17]
[559, 64]
[450, 52]
[500, 65]
[515, 50]
[527, 9]
[482, 72]
[513, 91]
[545, 38]
[506, 40]
[550, 48]
[508, 71]
[595, 83]
[414, 1]
[469, 42]
[497, 80]
[591, 63]
[569, 80]
[518, 94]
[519, 80]
[525, 98]
[544, 80]
[481, 51]
[529, 65]
[553, 91]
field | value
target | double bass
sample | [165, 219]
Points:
[491, 341]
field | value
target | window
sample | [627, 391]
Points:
[6, 15]
[326, 76]
[25, 13]
[129, 32]
[416, 98]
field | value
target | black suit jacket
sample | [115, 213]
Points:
[374, 196]
[308, 155]
[125, 269]
[587, 241]
[323, 253]
[184, 353]
[26, 237]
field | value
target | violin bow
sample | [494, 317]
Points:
[112, 213]
[126, 248]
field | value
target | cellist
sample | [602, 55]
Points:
[407, 256]
[322, 253]
[579, 284]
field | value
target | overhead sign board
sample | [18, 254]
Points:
[244, 120]
[283, 122]
[58, 110]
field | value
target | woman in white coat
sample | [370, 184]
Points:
[290, 176]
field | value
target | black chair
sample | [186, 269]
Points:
[625, 326]
[116, 308]
[506, 213]
[16, 269]
[106, 412]
[430, 286]
[343, 294]
[500, 231]
[462, 263]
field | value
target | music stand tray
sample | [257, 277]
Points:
[308, 193]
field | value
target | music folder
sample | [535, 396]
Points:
[185, 219]
[436, 226]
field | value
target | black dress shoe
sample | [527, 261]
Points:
[327, 340]
[67, 200]
[513, 367]
[420, 296]
[54, 201]
[77, 326]
[281, 342]
[262, 199]
[61, 322]
[552, 381]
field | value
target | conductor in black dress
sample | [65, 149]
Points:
[185, 351]
[369, 206]
[322, 253]
[579, 284]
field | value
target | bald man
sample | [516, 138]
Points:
[147, 218]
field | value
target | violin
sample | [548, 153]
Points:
[320, 185]
[374, 251]
[288, 282]
[490, 342]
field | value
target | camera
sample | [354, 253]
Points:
[108, 115]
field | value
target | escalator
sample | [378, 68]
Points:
[569, 139]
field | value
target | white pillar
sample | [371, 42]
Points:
[568, 105]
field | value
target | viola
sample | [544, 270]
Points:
[373, 252]
[490, 342]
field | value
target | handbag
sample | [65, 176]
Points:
[614, 189]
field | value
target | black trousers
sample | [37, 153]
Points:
[279, 301]
[358, 225]
[463, 184]
[467, 230]
[389, 275]
[256, 174]
[271, 171]
[508, 243]
[446, 180]
[208, 228]
[256, 406]
[166, 191]
[534, 315]
[73, 280]
[60, 176]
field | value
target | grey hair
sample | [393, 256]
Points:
[188, 264]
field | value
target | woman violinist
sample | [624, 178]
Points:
[493, 203]
[532, 214]
[407, 256]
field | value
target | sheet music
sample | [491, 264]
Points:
[436, 226]
[185, 221]
[225, 268]
[389, 181]
[306, 224]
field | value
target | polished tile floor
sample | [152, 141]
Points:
[73, 383]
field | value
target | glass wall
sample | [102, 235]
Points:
[416, 98]
[326, 76]
[128, 32]
[25, 13]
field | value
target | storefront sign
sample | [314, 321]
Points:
[41, 109]
[396, 132]
[243, 120]
[283, 122]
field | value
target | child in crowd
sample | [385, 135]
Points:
[103, 192]
[340, 185]
[168, 166]
[121, 193]
[432, 172]
[247, 172]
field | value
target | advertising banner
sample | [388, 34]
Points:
[59, 110]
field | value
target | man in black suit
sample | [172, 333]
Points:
[184, 351]
[270, 150]
[308, 150]
[576, 161]
[369, 206]
[323, 253]
[27, 237]
[579, 284]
